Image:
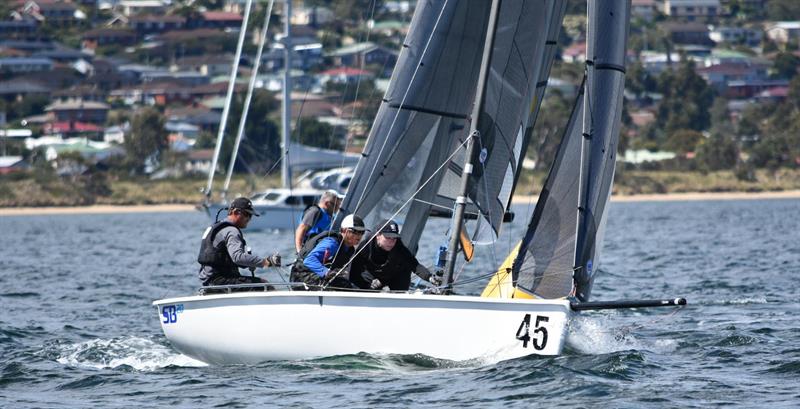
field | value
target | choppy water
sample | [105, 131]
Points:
[77, 328]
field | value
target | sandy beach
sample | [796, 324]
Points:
[162, 208]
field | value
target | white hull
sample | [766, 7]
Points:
[272, 216]
[284, 325]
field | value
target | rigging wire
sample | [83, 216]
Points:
[402, 103]
[406, 203]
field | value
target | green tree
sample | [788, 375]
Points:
[783, 10]
[683, 140]
[686, 99]
[147, 139]
[550, 126]
[260, 145]
[311, 132]
[717, 152]
[785, 66]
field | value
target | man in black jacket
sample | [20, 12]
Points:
[223, 249]
[386, 262]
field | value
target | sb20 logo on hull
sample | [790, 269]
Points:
[539, 332]
[170, 313]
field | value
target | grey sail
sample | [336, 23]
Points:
[559, 253]
[608, 36]
[517, 62]
[422, 115]
[546, 256]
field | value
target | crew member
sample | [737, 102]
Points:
[385, 262]
[317, 218]
[321, 261]
[223, 249]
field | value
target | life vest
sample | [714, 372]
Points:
[321, 224]
[217, 257]
[340, 258]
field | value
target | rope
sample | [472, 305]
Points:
[401, 206]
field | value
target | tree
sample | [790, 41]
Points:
[785, 66]
[683, 140]
[260, 145]
[783, 10]
[147, 139]
[549, 129]
[717, 152]
[311, 132]
[685, 102]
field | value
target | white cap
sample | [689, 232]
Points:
[353, 222]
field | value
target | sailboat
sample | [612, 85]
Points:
[281, 207]
[451, 132]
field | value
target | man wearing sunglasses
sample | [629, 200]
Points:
[223, 249]
[321, 261]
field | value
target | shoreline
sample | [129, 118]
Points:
[167, 208]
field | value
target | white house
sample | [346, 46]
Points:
[692, 9]
[783, 31]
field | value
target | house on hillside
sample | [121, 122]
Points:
[719, 75]
[16, 90]
[155, 24]
[55, 13]
[782, 32]
[22, 65]
[750, 37]
[692, 9]
[364, 54]
[11, 164]
[79, 111]
[343, 75]
[130, 8]
[208, 65]
[26, 28]
[217, 20]
[103, 37]
[644, 9]
[687, 33]
[199, 161]
[82, 92]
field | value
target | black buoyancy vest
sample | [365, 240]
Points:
[340, 259]
[218, 257]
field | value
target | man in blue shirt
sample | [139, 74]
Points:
[321, 261]
[317, 218]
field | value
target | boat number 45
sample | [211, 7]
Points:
[170, 313]
[539, 332]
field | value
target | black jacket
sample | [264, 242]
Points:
[392, 268]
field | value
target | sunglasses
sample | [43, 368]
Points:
[357, 232]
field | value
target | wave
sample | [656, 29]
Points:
[138, 353]
[596, 336]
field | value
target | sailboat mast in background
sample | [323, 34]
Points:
[286, 170]
[228, 98]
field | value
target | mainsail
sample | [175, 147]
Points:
[424, 116]
[558, 256]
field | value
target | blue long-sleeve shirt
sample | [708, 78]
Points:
[322, 255]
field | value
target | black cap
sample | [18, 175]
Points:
[243, 204]
[388, 228]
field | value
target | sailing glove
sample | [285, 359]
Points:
[376, 284]
[274, 260]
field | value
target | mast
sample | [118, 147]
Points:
[586, 142]
[228, 97]
[248, 98]
[461, 200]
[286, 171]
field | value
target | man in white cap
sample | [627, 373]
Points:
[223, 249]
[321, 261]
[385, 262]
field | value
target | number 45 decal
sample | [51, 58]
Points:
[523, 333]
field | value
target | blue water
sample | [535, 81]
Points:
[78, 329]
